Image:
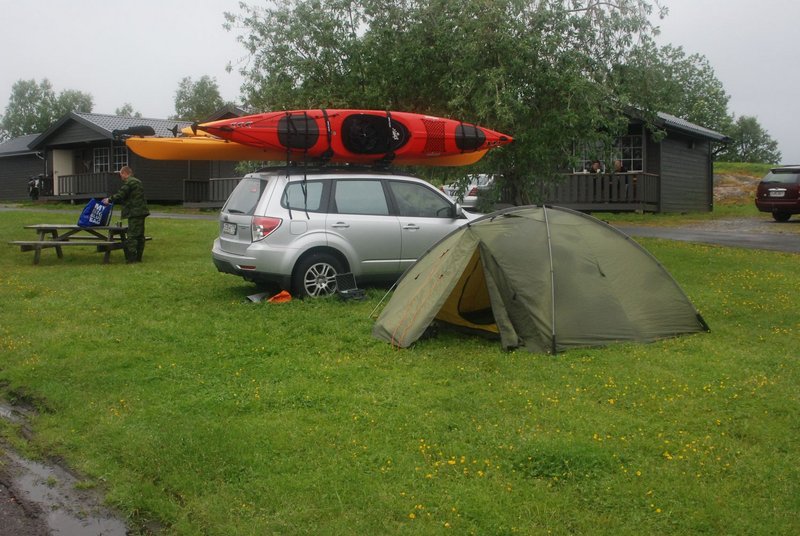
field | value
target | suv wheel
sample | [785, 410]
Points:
[315, 275]
[781, 216]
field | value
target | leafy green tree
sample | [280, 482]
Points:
[126, 110]
[194, 101]
[669, 80]
[33, 107]
[71, 100]
[750, 143]
[539, 70]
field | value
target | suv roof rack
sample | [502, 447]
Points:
[295, 167]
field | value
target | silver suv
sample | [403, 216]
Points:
[297, 228]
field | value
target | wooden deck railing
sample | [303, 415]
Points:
[605, 192]
[210, 192]
[87, 184]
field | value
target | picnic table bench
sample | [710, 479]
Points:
[105, 238]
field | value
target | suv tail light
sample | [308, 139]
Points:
[263, 227]
[473, 192]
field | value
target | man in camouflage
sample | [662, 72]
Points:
[131, 195]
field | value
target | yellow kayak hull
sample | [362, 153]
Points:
[199, 148]
[209, 148]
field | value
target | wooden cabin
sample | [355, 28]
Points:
[80, 156]
[675, 174]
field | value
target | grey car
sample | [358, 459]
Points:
[296, 228]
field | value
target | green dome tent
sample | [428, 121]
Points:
[544, 278]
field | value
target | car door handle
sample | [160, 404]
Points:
[340, 225]
[410, 227]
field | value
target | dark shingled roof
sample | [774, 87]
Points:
[676, 123]
[110, 123]
[17, 146]
[104, 125]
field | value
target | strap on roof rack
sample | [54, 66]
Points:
[328, 154]
[389, 156]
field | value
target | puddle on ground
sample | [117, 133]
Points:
[68, 510]
[10, 414]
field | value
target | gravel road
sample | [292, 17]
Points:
[752, 233]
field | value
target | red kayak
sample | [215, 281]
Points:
[361, 136]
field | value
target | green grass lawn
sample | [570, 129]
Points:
[192, 408]
[742, 168]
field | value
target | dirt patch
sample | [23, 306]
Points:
[43, 498]
[20, 518]
[734, 189]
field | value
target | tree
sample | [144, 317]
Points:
[538, 70]
[71, 100]
[195, 101]
[667, 80]
[750, 143]
[33, 107]
[126, 110]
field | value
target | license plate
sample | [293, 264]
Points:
[777, 193]
[229, 228]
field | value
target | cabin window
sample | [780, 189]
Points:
[628, 149]
[106, 161]
[102, 159]
[120, 157]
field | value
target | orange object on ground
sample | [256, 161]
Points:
[281, 297]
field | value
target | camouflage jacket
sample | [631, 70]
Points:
[131, 195]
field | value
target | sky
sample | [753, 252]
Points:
[138, 52]
[120, 52]
[752, 46]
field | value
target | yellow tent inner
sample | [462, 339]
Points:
[468, 305]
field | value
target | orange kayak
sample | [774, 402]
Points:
[361, 136]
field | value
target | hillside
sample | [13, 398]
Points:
[734, 189]
[735, 183]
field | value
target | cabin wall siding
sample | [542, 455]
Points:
[15, 171]
[163, 179]
[75, 133]
[686, 183]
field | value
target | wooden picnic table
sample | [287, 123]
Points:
[105, 238]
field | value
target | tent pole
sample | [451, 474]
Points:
[384, 297]
[552, 283]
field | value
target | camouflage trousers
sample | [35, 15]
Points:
[134, 240]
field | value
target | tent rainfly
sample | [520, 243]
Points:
[543, 278]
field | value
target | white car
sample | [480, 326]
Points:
[467, 190]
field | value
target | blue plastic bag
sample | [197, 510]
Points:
[95, 214]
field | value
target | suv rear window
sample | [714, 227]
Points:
[360, 197]
[782, 177]
[245, 196]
